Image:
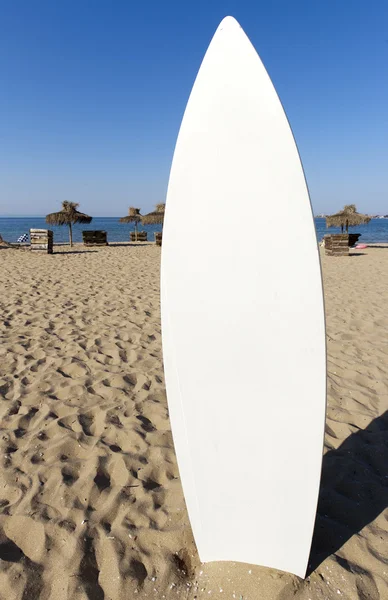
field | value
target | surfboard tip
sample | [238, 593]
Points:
[229, 22]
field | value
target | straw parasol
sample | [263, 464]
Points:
[348, 217]
[68, 216]
[156, 217]
[133, 216]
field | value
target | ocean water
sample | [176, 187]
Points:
[12, 227]
[376, 231]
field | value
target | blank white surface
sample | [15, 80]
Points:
[243, 318]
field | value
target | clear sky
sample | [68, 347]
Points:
[92, 94]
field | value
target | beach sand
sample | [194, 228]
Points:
[91, 505]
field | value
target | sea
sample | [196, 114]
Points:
[11, 228]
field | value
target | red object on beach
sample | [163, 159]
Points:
[361, 246]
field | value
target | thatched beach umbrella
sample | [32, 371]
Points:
[156, 217]
[348, 217]
[133, 216]
[68, 216]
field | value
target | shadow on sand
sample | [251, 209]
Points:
[71, 252]
[130, 244]
[354, 489]
[384, 246]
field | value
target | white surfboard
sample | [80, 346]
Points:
[243, 317]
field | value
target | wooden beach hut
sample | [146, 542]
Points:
[69, 215]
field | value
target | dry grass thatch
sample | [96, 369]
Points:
[133, 216]
[69, 215]
[348, 217]
[156, 217]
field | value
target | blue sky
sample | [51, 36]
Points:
[92, 94]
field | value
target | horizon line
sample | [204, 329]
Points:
[27, 216]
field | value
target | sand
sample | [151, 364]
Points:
[91, 505]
